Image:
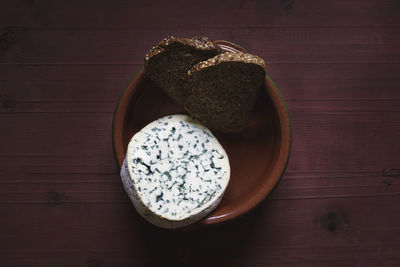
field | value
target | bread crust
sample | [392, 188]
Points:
[227, 57]
[198, 42]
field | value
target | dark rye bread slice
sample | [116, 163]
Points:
[167, 63]
[224, 90]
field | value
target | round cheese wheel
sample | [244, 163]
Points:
[175, 171]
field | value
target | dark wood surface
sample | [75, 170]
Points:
[63, 65]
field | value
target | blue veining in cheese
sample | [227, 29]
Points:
[175, 171]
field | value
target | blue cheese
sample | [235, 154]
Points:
[175, 171]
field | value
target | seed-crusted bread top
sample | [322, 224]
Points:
[228, 57]
[167, 63]
[201, 42]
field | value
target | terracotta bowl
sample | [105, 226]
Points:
[258, 156]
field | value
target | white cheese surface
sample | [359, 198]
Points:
[175, 171]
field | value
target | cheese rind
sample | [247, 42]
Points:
[175, 171]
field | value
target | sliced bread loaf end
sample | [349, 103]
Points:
[224, 90]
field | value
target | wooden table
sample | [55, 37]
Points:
[63, 65]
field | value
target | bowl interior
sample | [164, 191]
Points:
[257, 155]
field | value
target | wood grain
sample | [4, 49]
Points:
[277, 44]
[64, 64]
